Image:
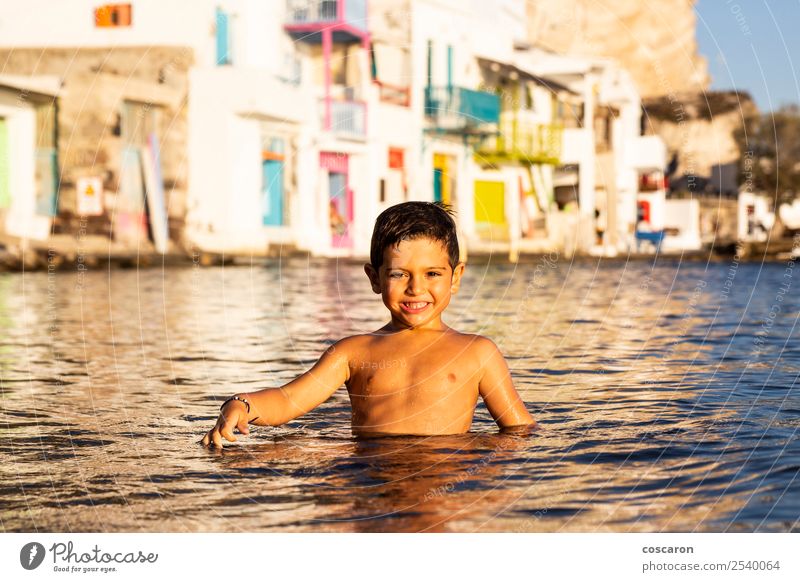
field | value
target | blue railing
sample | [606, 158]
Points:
[352, 12]
[469, 106]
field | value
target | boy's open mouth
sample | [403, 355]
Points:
[414, 306]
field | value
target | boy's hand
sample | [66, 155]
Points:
[233, 415]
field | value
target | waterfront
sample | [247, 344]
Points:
[666, 396]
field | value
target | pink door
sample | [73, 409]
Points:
[340, 202]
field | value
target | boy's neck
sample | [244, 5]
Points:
[433, 325]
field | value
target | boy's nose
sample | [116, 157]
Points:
[415, 286]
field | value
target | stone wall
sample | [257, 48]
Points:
[95, 84]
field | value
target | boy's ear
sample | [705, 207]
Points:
[374, 278]
[458, 272]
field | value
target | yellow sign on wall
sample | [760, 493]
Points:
[90, 196]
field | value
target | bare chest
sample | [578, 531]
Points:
[424, 372]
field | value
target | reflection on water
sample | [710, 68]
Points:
[666, 395]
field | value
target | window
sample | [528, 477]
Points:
[113, 15]
[396, 158]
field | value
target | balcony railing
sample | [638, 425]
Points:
[347, 118]
[524, 141]
[327, 12]
[459, 108]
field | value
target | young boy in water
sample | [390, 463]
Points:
[413, 376]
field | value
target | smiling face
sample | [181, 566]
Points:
[416, 282]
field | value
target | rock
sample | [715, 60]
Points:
[654, 41]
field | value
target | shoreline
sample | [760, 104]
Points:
[50, 259]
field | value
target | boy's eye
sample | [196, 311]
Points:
[395, 275]
[434, 274]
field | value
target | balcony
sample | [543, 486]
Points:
[460, 110]
[347, 19]
[344, 118]
[523, 140]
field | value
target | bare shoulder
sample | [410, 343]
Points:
[352, 348]
[347, 345]
[479, 346]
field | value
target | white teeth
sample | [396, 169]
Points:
[415, 305]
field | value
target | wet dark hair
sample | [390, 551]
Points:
[412, 220]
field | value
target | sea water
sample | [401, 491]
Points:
[666, 393]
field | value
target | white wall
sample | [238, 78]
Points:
[70, 23]
[683, 215]
[226, 110]
[761, 220]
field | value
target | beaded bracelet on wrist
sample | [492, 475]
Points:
[246, 403]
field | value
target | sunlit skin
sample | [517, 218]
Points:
[413, 376]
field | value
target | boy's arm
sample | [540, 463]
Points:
[497, 389]
[276, 406]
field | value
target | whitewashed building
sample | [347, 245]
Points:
[295, 122]
[28, 170]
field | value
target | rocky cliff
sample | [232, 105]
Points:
[699, 130]
[655, 41]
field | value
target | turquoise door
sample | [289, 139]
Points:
[46, 182]
[223, 39]
[437, 184]
[272, 193]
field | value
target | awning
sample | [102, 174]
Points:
[48, 85]
[507, 69]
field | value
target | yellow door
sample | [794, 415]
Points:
[490, 210]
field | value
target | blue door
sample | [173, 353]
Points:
[272, 193]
